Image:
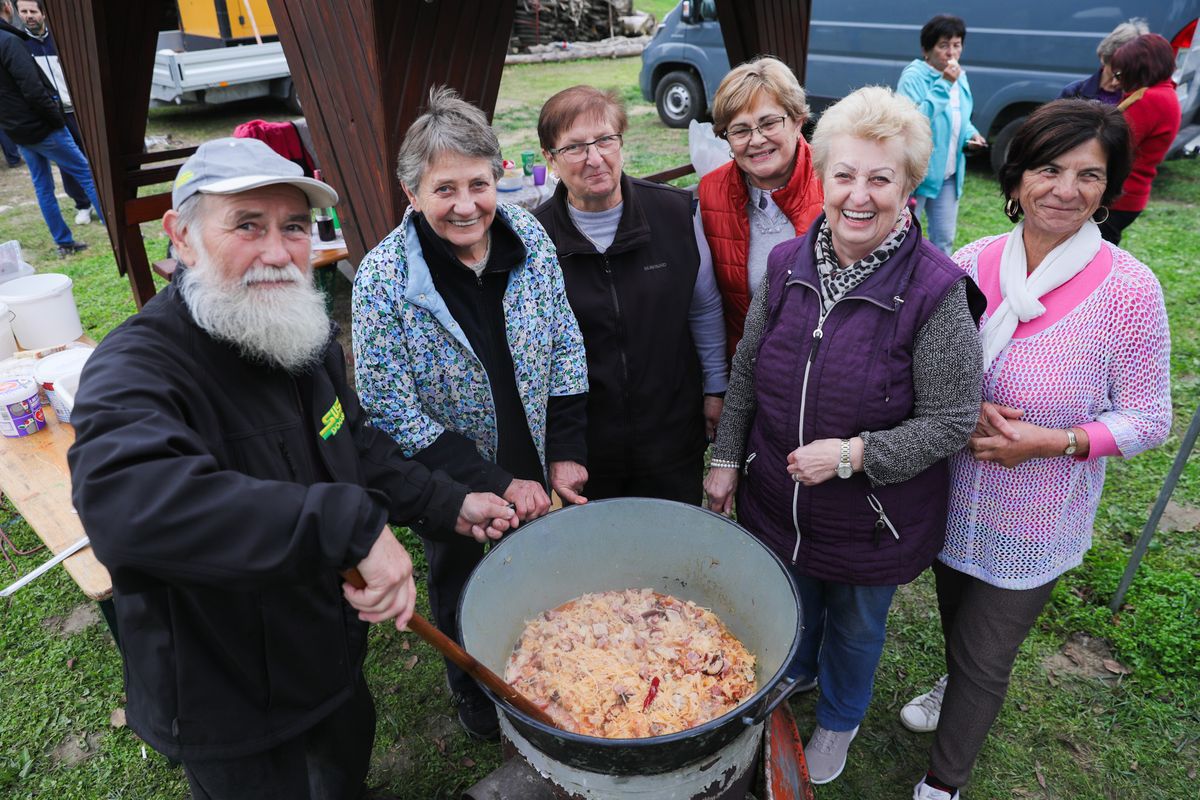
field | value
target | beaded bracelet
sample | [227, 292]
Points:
[722, 464]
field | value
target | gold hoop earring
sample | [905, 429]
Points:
[1103, 219]
[1012, 209]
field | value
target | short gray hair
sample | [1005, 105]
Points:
[1125, 32]
[878, 114]
[449, 125]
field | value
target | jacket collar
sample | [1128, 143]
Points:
[785, 197]
[15, 31]
[632, 231]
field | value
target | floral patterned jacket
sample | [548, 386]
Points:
[416, 372]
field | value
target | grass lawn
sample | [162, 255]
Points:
[1102, 706]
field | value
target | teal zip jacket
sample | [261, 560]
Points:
[931, 92]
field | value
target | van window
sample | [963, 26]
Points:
[708, 10]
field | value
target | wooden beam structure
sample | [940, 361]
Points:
[766, 27]
[107, 54]
[362, 70]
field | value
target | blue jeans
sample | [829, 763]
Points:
[844, 630]
[941, 214]
[60, 149]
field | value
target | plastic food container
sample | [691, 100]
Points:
[20, 408]
[53, 369]
[43, 309]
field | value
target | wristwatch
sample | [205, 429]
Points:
[1072, 444]
[844, 468]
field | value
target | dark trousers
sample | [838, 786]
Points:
[450, 564]
[683, 483]
[1112, 228]
[984, 627]
[70, 185]
[327, 762]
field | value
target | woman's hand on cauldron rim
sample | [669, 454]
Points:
[485, 516]
[994, 420]
[721, 485]
[528, 498]
[390, 591]
[568, 479]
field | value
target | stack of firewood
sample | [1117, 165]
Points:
[539, 22]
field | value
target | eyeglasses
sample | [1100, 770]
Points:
[578, 151]
[742, 133]
[1116, 73]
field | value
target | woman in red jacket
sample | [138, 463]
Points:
[769, 193]
[1144, 67]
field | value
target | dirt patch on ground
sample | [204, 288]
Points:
[393, 766]
[1179, 517]
[1086, 657]
[81, 618]
[75, 749]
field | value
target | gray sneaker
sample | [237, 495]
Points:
[921, 714]
[826, 753]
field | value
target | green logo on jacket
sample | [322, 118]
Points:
[332, 420]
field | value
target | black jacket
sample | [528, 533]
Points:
[645, 402]
[29, 108]
[223, 495]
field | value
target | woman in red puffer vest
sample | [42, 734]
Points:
[769, 193]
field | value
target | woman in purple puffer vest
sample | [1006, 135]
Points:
[858, 375]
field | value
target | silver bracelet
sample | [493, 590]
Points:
[723, 464]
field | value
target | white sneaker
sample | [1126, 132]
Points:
[83, 216]
[922, 791]
[826, 753]
[921, 714]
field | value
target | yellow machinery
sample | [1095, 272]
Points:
[228, 20]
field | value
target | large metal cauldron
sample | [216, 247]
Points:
[670, 547]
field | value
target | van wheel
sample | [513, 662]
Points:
[1002, 141]
[292, 101]
[679, 98]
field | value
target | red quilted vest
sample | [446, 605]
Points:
[723, 199]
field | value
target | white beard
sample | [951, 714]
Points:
[285, 327]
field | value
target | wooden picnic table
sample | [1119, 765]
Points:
[34, 476]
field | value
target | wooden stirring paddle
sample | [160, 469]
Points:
[465, 661]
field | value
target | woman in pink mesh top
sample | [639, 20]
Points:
[1076, 359]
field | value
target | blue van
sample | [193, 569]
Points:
[1019, 54]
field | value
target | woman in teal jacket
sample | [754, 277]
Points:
[939, 87]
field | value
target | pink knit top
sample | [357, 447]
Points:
[1099, 359]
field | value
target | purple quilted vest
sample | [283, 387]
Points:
[859, 379]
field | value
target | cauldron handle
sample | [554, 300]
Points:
[783, 690]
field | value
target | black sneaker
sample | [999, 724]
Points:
[477, 715]
[71, 249]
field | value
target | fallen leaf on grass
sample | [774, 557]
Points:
[468, 762]
[1191, 773]
[404, 645]
[1133, 766]
[440, 744]
[1116, 667]
[70, 663]
[1041, 779]
[411, 661]
[117, 718]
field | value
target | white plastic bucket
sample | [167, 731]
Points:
[44, 312]
[51, 371]
[8, 345]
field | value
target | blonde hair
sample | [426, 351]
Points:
[747, 82]
[879, 114]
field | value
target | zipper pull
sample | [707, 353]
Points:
[883, 518]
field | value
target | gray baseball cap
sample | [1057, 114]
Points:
[229, 166]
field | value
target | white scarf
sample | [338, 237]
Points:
[1021, 289]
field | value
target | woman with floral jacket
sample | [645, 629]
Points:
[466, 350]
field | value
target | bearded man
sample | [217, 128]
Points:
[225, 476]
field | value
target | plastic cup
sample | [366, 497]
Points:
[539, 174]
